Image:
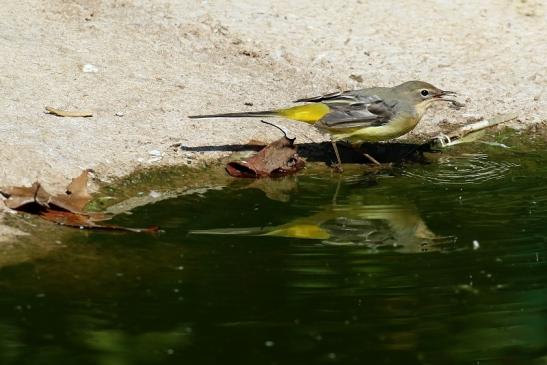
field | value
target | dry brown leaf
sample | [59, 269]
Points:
[20, 196]
[279, 158]
[76, 196]
[64, 209]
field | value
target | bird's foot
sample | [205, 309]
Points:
[337, 167]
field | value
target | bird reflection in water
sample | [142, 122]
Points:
[348, 220]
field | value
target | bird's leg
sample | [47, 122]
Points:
[338, 166]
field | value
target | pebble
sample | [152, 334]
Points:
[89, 68]
[154, 194]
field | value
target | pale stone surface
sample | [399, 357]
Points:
[155, 62]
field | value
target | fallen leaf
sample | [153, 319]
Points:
[66, 113]
[277, 159]
[64, 209]
[19, 197]
[76, 196]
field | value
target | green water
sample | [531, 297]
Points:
[425, 264]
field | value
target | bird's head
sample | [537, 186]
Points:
[421, 94]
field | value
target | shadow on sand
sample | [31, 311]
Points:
[323, 152]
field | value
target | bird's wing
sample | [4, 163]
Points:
[357, 111]
[336, 96]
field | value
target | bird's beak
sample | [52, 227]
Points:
[445, 95]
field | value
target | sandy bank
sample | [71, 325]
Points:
[158, 61]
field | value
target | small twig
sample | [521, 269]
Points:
[282, 129]
[66, 113]
[470, 132]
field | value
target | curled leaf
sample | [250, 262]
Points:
[277, 159]
[19, 197]
[76, 196]
[64, 209]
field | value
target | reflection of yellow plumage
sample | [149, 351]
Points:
[402, 223]
[309, 231]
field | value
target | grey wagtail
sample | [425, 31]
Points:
[357, 116]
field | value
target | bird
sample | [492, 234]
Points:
[364, 115]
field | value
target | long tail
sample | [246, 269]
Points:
[266, 113]
[309, 113]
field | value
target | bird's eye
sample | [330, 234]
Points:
[424, 92]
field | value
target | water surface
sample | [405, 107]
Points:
[426, 264]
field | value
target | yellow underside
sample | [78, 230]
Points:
[393, 129]
[309, 113]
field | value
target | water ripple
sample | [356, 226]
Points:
[464, 169]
